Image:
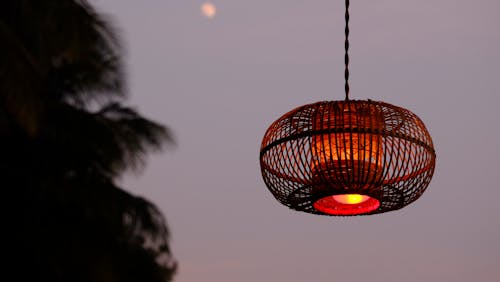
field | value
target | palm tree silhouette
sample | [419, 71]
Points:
[65, 137]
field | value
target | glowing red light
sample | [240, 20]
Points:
[348, 204]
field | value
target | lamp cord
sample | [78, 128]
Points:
[346, 57]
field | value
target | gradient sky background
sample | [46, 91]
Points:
[218, 84]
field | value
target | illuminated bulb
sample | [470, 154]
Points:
[351, 199]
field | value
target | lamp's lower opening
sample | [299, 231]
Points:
[346, 204]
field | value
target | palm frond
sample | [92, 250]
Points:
[105, 142]
[60, 61]
[72, 53]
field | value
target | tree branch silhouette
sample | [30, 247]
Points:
[66, 135]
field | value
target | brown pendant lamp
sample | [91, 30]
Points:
[349, 157]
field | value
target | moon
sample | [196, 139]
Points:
[208, 10]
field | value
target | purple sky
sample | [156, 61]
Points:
[220, 83]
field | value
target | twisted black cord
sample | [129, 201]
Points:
[346, 58]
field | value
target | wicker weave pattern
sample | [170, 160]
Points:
[347, 147]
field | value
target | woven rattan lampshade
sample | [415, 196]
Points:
[347, 158]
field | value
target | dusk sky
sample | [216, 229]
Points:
[218, 83]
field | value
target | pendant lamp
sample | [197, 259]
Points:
[348, 157]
